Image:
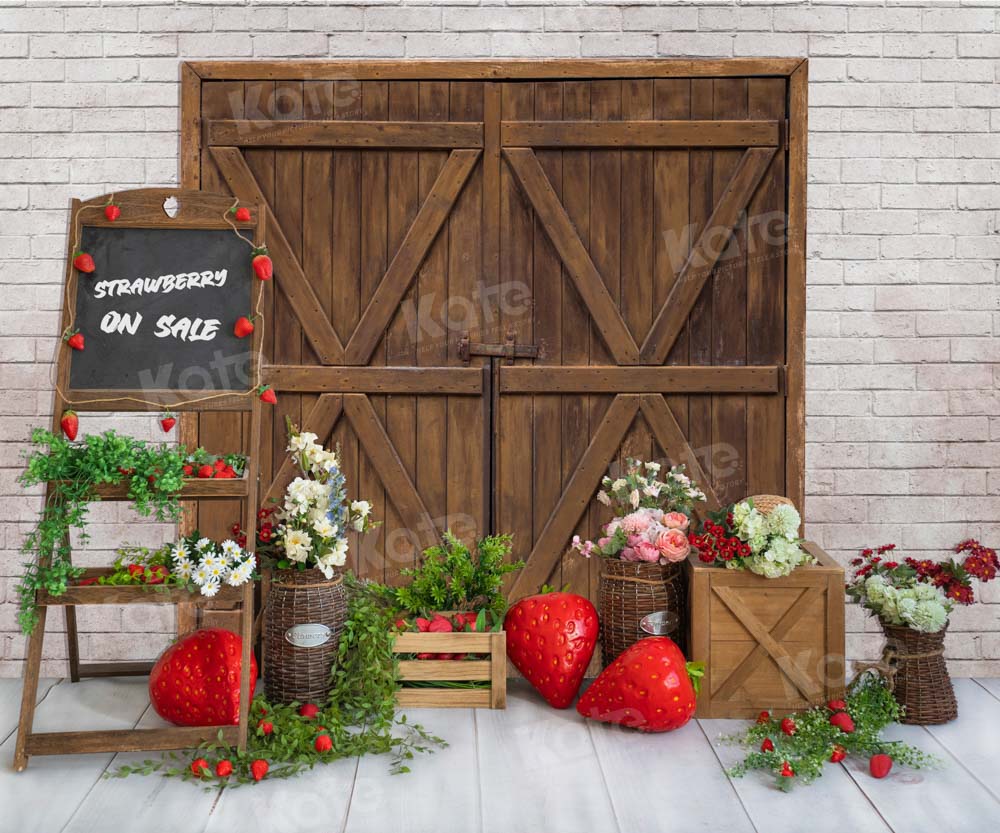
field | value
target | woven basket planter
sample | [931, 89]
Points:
[921, 681]
[304, 617]
[630, 591]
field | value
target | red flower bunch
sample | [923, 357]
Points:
[717, 543]
[954, 578]
[265, 531]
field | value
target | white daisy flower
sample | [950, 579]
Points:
[210, 588]
[211, 560]
[183, 568]
[179, 552]
[203, 544]
[201, 576]
[217, 571]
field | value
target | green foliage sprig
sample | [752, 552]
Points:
[359, 715]
[154, 475]
[871, 707]
[450, 577]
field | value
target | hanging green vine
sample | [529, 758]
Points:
[358, 717]
[154, 477]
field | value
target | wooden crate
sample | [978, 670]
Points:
[493, 667]
[775, 644]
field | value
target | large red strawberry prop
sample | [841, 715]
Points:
[550, 639]
[84, 262]
[70, 424]
[262, 266]
[648, 687]
[196, 681]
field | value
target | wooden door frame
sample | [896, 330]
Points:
[795, 70]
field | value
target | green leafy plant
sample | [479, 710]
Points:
[359, 716]
[450, 577]
[153, 474]
[796, 747]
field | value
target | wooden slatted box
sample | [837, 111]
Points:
[492, 667]
[775, 644]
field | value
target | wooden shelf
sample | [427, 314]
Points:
[126, 740]
[101, 594]
[194, 488]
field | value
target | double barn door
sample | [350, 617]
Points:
[491, 290]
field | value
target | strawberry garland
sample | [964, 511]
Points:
[795, 748]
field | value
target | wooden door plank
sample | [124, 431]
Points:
[411, 253]
[668, 434]
[349, 134]
[321, 421]
[704, 254]
[295, 286]
[554, 538]
[575, 257]
[91, 704]
[640, 131]
[426, 801]
[702, 800]
[943, 798]
[528, 785]
[834, 804]
[542, 379]
[398, 485]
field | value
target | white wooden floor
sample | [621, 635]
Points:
[529, 769]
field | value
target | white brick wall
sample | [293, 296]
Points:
[904, 414]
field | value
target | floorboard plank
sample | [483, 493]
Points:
[441, 792]
[539, 769]
[701, 800]
[833, 803]
[10, 702]
[992, 685]
[927, 801]
[974, 738]
[147, 803]
[47, 793]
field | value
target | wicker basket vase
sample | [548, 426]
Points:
[304, 617]
[628, 592]
[922, 684]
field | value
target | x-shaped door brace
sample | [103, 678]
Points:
[593, 464]
[768, 643]
[394, 284]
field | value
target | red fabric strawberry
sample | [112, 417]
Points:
[267, 395]
[75, 341]
[262, 266]
[788, 726]
[206, 471]
[647, 687]
[309, 710]
[199, 767]
[767, 745]
[70, 424]
[242, 215]
[550, 639]
[258, 769]
[323, 743]
[266, 726]
[224, 768]
[763, 717]
[112, 212]
[842, 720]
[243, 327]
[837, 705]
[84, 262]
[838, 754]
[879, 765]
[196, 681]
[786, 770]
[167, 421]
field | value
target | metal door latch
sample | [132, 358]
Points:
[508, 351]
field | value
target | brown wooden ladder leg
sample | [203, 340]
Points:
[72, 643]
[246, 633]
[29, 695]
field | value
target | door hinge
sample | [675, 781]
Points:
[508, 351]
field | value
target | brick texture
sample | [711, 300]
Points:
[903, 438]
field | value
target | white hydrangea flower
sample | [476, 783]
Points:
[784, 520]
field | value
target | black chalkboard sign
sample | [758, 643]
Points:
[158, 311]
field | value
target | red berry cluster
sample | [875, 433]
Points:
[717, 543]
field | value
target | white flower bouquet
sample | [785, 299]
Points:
[316, 516]
[639, 487]
[209, 565]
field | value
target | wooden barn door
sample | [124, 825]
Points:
[648, 218]
[376, 192]
[495, 282]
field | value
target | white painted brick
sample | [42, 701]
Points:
[839, 246]
[113, 19]
[612, 45]
[219, 45]
[739, 19]
[526, 44]
[417, 19]
[844, 95]
[578, 19]
[954, 271]
[977, 95]
[250, 18]
[841, 45]
[107, 70]
[924, 246]
[464, 45]
[907, 455]
[896, 69]
[493, 19]
[961, 70]
[950, 120]
[683, 44]
[35, 19]
[765, 45]
[285, 44]
[878, 170]
[836, 403]
[883, 377]
[180, 19]
[919, 196]
[879, 324]
[883, 222]
[916, 350]
[66, 46]
[917, 95]
[149, 45]
[659, 19]
[812, 19]
[979, 196]
[954, 323]
[368, 45]
[875, 119]
[884, 20]
[979, 46]
[326, 20]
[13, 46]
[918, 46]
